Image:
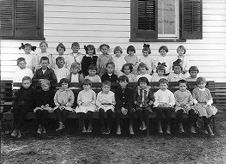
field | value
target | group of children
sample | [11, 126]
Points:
[50, 70]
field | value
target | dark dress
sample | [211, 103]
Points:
[86, 62]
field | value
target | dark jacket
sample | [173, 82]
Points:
[49, 75]
[113, 78]
[86, 62]
[143, 97]
[44, 97]
[124, 98]
[25, 99]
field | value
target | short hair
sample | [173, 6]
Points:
[44, 58]
[131, 48]
[108, 83]
[60, 45]
[75, 44]
[91, 47]
[143, 79]
[75, 65]
[92, 67]
[182, 81]
[43, 42]
[20, 60]
[26, 78]
[125, 65]
[59, 58]
[87, 82]
[200, 79]
[193, 68]
[118, 48]
[181, 47]
[146, 47]
[142, 65]
[45, 81]
[104, 45]
[64, 80]
[123, 78]
[110, 63]
[163, 48]
[163, 81]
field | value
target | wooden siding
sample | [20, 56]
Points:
[108, 21]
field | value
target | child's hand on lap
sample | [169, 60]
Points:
[124, 111]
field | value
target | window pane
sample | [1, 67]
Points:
[166, 17]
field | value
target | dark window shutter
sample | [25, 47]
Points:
[144, 22]
[192, 19]
[26, 18]
[6, 17]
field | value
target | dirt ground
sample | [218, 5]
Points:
[76, 149]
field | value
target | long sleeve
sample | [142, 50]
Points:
[113, 99]
[56, 99]
[79, 98]
[98, 64]
[210, 98]
[172, 99]
[98, 102]
[71, 99]
[157, 101]
[93, 98]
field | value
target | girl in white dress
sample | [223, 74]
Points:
[86, 105]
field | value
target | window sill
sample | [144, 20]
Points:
[156, 40]
[13, 38]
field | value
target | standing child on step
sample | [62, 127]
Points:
[131, 58]
[203, 104]
[119, 60]
[86, 105]
[75, 55]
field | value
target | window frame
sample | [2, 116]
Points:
[39, 20]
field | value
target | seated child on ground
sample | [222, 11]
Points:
[22, 70]
[93, 77]
[86, 105]
[203, 104]
[60, 71]
[193, 71]
[124, 104]
[43, 105]
[23, 104]
[160, 73]
[184, 102]
[177, 74]
[106, 104]
[110, 75]
[64, 100]
[163, 105]
[45, 73]
[143, 72]
[143, 100]
[119, 60]
[127, 70]
[75, 73]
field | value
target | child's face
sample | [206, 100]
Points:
[131, 53]
[90, 51]
[160, 72]
[110, 68]
[75, 49]
[123, 84]
[142, 70]
[27, 49]
[22, 64]
[118, 53]
[74, 70]
[60, 50]
[181, 51]
[64, 86]
[44, 64]
[177, 69]
[143, 85]
[92, 72]
[126, 70]
[145, 52]
[106, 88]
[26, 83]
[193, 74]
[182, 87]
[43, 47]
[163, 86]
[45, 87]
[202, 84]
[60, 63]
[104, 49]
[162, 52]
[86, 87]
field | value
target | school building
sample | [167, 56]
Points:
[199, 25]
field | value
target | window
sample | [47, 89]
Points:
[21, 19]
[166, 20]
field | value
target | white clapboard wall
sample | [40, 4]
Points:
[108, 21]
